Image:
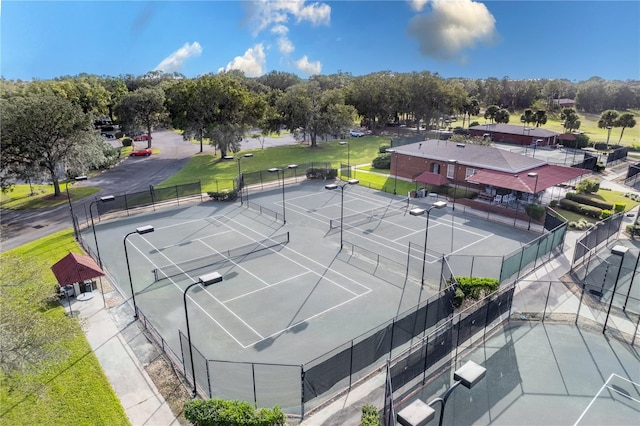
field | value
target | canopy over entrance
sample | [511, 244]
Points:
[548, 176]
[432, 179]
[75, 268]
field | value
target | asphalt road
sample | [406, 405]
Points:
[132, 174]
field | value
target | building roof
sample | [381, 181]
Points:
[470, 155]
[512, 129]
[566, 137]
[75, 268]
[548, 176]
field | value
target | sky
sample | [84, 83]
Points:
[551, 39]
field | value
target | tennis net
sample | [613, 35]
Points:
[360, 218]
[176, 269]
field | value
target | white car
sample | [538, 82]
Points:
[355, 134]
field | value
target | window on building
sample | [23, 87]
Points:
[451, 170]
[469, 172]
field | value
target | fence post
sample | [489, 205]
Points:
[253, 375]
[301, 391]
[126, 204]
[350, 364]
[177, 195]
[546, 302]
[208, 378]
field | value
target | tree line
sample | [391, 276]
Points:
[47, 123]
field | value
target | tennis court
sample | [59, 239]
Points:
[288, 293]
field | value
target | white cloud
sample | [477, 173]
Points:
[280, 29]
[418, 5]
[285, 46]
[451, 27]
[252, 63]
[308, 68]
[266, 13]
[174, 61]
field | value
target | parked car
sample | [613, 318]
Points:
[142, 137]
[140, 153]
[355, 134]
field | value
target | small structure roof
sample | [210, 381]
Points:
[566, 137]
[74, 268]
[432, 179]
[548, 175]
[470, 155]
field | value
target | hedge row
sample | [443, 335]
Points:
[590, 201]
[473, 286]
[584, 209]
[230, 195]
[214, 412]
[324, 174]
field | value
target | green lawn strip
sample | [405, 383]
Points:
[616, 197]
[217, 174]
[72, 390]
[21, 199]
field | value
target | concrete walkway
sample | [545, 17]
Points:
[118, 347]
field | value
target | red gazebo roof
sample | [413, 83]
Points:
[74, 268]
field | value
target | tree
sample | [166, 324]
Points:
[540, 117]
[571, 119]
[527, 117]
[607, 121]
[502, 116]
[471, 107]
[490, 112]
[43, 134]
[626, 120]
[142, 109]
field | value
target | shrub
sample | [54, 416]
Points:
[600, 166]
[382, 162]
[588, 186]
[459, 297]
[631, 195]
[534, 211]
[383, 149]
[223, 195]
[553, 203]
[633, 229]
[588, 200]
[370, 416]
[619, 207]
[474, 286]
[605, 214]
[324, 174]
[127, 142]
[584, 209]
[214, 412]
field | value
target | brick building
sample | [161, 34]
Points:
[516, 135]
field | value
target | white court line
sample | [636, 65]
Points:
[264, 288]
[604, 386]
[178, 287]
[266, 284]
[196, 239]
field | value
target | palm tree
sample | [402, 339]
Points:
[540, 117]
[471, 107]
[571, 120]
[625, 120]
[502, 116]
[527, 117]
[490, 112]
[607, 121]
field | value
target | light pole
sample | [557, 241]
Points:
[104, 199]
[455, 183]
[419, 212]
[240, 178]
[141, 230]
[395, 176]
[334, 186]
[535, 191]
[205, 280]
[420, 413]
[618, 250]
[278, 171]
[348, 154]
[73, 220]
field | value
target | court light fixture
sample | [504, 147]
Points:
[284, 210]
[204, 280]
[535, 191]
[419, 212]
[141, 231]
[419, 413]
[348, 154]
[332, 186]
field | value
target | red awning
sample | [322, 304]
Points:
[432, 179]
[566, 137]
[548, 176]
[75, 268]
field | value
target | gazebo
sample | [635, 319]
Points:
[76, 269]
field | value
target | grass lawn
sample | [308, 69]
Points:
[70, 389]
[212, 169]
[605, 195]
[21, 198]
